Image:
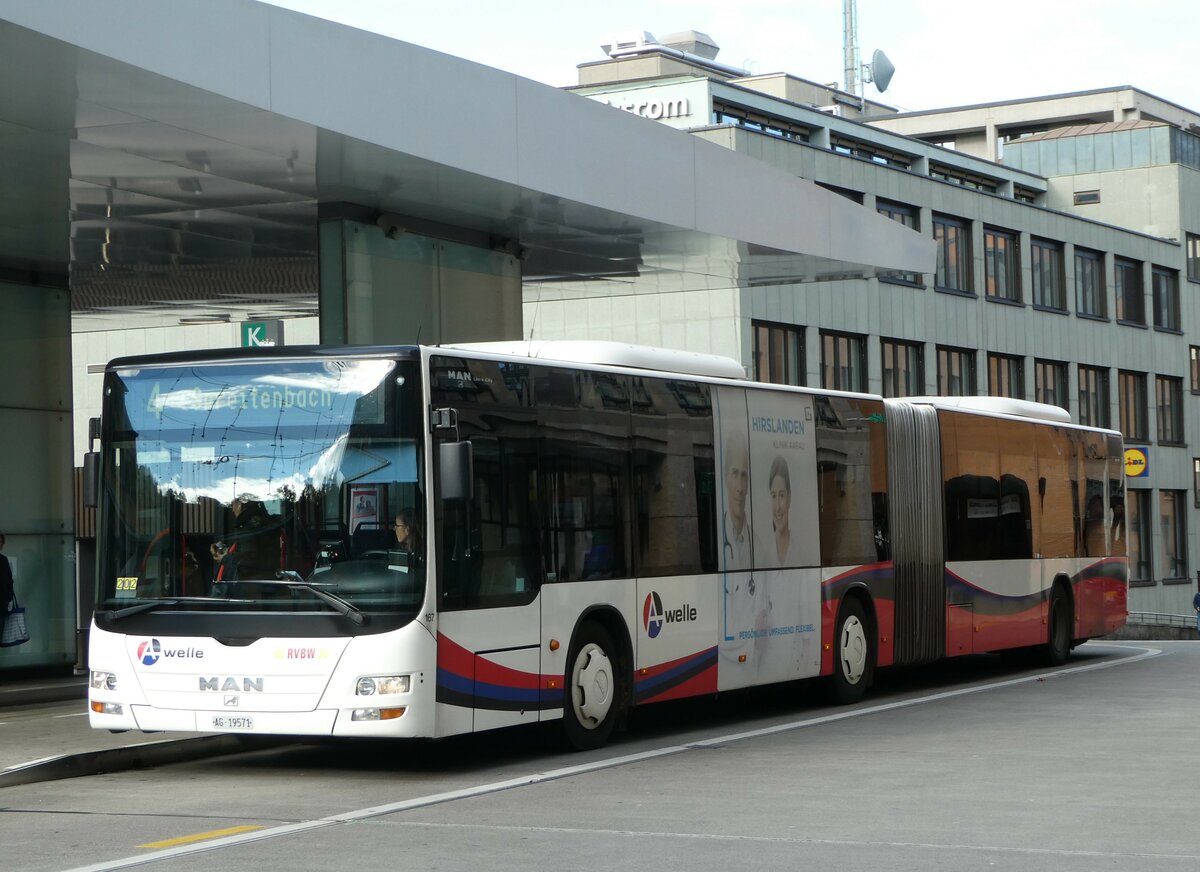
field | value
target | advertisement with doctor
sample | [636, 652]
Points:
[770, 550]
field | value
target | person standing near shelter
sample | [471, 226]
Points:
[1195, 600]
[7, 588]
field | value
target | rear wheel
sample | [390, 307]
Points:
[853, 653]
[1058, 641]
[594, 691]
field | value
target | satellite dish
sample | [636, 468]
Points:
[882, 70]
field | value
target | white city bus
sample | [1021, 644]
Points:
[416, 541]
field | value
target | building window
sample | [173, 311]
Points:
[1193, 257]
[1172, 513]
[843, 362]
[1001, 265]
[1166, 298]
[955, 372]
[907, 216]
[1132, 387]
[1006, 376]
[1127, 283]
[778, 353]
[1089, 283]
[1195, 353]
[1050, 383]
[1087, 198]
[740, 116]
[1168, 394]
[869, 151]
[957, 176]
[1196, 482]
[903, 369]
[1093, 396]
[1046, 276]
[953, 254]
[1137, 514]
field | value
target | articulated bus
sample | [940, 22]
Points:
[431, 541]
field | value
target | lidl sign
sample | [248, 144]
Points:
[1137, 463]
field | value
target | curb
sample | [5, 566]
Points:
[141, 756]
[24, 694]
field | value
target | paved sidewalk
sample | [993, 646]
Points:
[45, 735]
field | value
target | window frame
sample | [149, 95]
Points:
[1168, 404]
[1008, 256]
[967, 356]
[953, 257]
[1059, 372]
[1046, 265]
[1136, 418]
[787, 339]
[914, 366]
[1165, 287]
[1099, 389]
[1138, 530]
[1098, 290]
[910, 217]
[1172, 514]
[1129, 292]
[853, 348]
[1006, 369]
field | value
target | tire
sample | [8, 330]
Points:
[1058, 631]
[594, 689]
[853, 654]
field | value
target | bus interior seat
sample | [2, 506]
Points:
[371, 537]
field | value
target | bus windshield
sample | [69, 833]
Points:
[262, 486]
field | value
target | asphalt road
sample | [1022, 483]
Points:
[976, 764]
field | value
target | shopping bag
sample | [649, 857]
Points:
[15, 631]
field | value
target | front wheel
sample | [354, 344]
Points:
[853, 654]
[594, 691]
[1058, 641]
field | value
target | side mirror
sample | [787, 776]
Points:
[456, 470]
[91, 478]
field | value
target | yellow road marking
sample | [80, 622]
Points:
[200, 837]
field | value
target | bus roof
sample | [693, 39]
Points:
[998, 406]
[608, 353]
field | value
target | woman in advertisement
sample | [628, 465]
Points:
[780, 484]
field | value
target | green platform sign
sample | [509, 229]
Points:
[261, 333]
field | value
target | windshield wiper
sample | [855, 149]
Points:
[151, 605]
[292, 579]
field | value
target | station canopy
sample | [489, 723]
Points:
[174, 160]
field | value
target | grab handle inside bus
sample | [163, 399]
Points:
[456, 470]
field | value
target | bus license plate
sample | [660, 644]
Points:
[232, 722]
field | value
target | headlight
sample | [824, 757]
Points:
[383, 684]
[104, 680]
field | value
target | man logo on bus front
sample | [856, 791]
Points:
[652, 615]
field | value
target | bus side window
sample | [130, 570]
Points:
[584, 418]
[674, 478]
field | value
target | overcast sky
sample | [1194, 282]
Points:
[946, 52]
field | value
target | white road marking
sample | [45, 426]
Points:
[595, 766]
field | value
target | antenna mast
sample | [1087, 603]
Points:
[850, 45]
